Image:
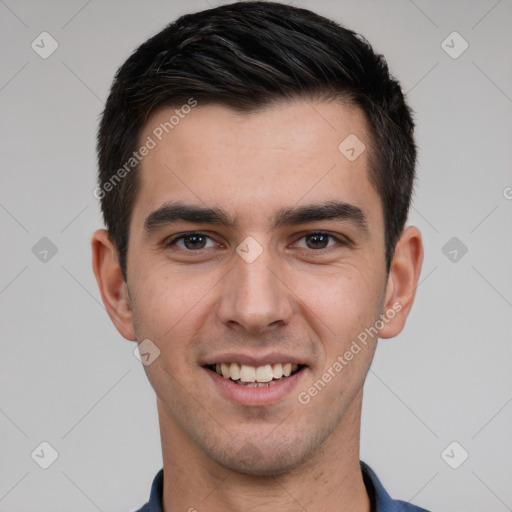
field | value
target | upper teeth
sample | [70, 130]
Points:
[247, 373]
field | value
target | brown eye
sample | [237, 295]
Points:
[194, 241]
[191, 242]
[317, 240]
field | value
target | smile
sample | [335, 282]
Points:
[255, 376]
[256, 385]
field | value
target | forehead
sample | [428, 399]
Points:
[254, 163]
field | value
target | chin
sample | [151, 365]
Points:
[263, 459]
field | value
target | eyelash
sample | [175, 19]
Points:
[339, 240]
[174, 241]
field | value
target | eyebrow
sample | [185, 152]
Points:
[171, 213]
[331, 210]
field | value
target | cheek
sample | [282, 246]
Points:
[165, 309]
[340, 304]
[169, 312]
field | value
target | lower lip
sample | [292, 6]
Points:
[256, 396]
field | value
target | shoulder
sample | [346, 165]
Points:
[380, 499]
[155, 500]
[145, 508]
[403, 506]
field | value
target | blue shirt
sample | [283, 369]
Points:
[380, 500]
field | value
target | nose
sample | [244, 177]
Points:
[255, 297]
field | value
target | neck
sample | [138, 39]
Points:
[330, 480]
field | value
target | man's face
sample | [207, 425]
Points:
[303, 284]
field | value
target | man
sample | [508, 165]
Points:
[256, 165]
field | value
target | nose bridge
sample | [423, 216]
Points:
[253, 296]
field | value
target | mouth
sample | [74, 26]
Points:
[251, 382]
[250, 376]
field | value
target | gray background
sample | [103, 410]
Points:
[68, 378]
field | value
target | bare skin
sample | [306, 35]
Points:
[304, 298]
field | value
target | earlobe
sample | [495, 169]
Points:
[111, 284]
[402, 281]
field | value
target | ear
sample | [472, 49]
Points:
[402, 282]
[113, 289]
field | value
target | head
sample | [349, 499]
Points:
[282, 142]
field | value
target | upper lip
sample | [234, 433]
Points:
[253, 360]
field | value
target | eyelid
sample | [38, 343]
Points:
[340, 239]
[172, 240]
